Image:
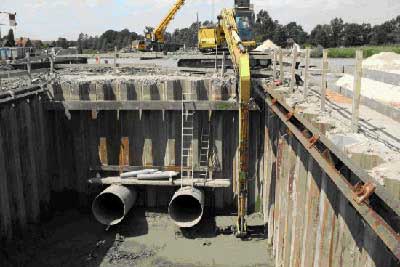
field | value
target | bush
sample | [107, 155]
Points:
[350, 52]
[317, 52]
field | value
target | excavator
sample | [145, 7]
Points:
[211, 38]
[241, 62]
[154, 39]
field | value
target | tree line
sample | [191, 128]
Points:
[335, 34]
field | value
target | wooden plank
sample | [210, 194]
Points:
[175, 182]
[158, 135]
[171, 154]
[300, 190]
[93, 141]
[147, 157]
[74, 91]
[273, 129]
[61, 154]
[311, 213]
[274, 67]
[124, 152]
[113, 133]
[355, 116]
[279, 203]
[323, 79]
[293, 69]
[5, 197]
[9, 118]
[306, 74]
[41, 145]
[281, 69]
[229, 151]
[323, 245]
[136, 133]
[290, 194]
[103, 155]
[217, 141]
[31, 173]
[80, 123]
[346, 252]
[99, 92]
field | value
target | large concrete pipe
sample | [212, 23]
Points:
[186, 207]
[111, 205]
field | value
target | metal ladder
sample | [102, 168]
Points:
[187, 139]
[204, 152]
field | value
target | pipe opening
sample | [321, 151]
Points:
[186, 207]
[108, 209]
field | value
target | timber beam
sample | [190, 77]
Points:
[143, 105]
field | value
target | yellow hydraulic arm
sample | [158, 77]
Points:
[158, 34]
[241, 63]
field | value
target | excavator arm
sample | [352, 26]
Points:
[241, 63]
[158, 33]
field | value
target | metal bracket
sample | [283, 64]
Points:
[289, 116]
[363, 192]
[313, 140]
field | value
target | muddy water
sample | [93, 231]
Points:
[143, 239]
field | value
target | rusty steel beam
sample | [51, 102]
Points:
[378, 224]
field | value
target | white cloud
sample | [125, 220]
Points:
[49, 19]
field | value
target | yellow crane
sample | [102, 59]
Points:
[156, 37]
[241, 62]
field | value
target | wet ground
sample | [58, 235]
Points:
[143, 239]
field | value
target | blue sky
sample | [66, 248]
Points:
[50, 19]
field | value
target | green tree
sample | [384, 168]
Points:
[337, 27]
[10, 38]
[62, 42]
[280, 36]
[321, 35]
[264, 27]
[353, 34]
[28, 43]
[295, 31]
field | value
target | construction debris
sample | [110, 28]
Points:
[267, 46]
[385, 61]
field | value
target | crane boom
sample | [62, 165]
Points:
[159, 31]
[241, 62]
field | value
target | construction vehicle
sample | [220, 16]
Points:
[139, 45]
[155, 40]
[212, 38]
[241, 62]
